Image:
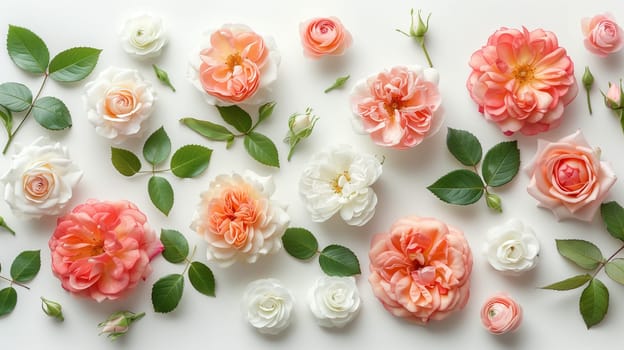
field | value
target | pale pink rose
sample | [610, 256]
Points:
[399, 107]
[324, 36]
[522, 80]
[501, 314]
[603, 36]
[103, 249]
[613, 97]
[420, 269]
[568, 177]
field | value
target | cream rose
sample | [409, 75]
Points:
[143, 36]
[334, 301]
[268, 306]
[512, 247]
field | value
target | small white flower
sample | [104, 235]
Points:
[512, 248]
[339, 180]
[334, 301]
[40, 179]
[301, 124]
[268, 306]
[143, 36]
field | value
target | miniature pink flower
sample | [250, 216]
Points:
[603, 36]
[420, 269]
[102, 249]
[522, 80]
[613, 97]
[324, 36]
[501, 314]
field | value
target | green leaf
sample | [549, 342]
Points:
[615, 270]
[157, 147]
[163, 77]
[236, 116]
[569, 283]
[190, 161]
[7, 119]
[15, 97]
[583, 253]
[460, 187]
[340, 81]
[167, 292]
[265, 111]
[464, 146]
[613, 217]
[27, 50]
[300, 243]
[8, 300]
[262, 149]
[176, 246]
[51, 113]
[336, 260]
[501, 163]
[201, 278]
[161, 193]
[126, 162]
[594, 302]
[208, 130]
[74, 64]
[26, 265]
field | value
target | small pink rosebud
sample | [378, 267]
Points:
[501, 314]
[119, 323]
[613, 98]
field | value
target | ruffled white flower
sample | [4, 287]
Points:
[512, 247]
[339, 179]
[40, 180]
[118, 102]
[268, 306]
[143, 36]
[334, 301]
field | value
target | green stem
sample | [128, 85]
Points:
[605, 262]
[189, 260]
[14, 282]
[588, 101]
[153, 171]
[424, 48]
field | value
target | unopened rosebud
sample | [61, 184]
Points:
[4, 225]
[52, 309]
[613, 98]
[300, 126]
[494, 202]
[419, 32]
[119, 323]
[588, 79]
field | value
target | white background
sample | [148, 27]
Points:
[458, 28]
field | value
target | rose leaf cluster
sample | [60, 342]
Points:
[24, 268]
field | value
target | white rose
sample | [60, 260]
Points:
[512, 248]
[143, 36]
[118, 102]
[334, 301]
[40, 179]
[268, 306]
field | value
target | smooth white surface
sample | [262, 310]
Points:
[458, 28]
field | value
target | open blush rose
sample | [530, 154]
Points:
[420, 269]
[603, 36]
[324, 36]
[501, 314]
[568, 177]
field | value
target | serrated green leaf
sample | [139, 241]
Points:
[262, 149]
[265, 111]
[7, 119]
[27, 50]
[15, 97]
[300, 243]
[236, 116]
[613, 217]
[583, 253]
[51, 113]
[594, 302]
[160, 193]
[126, 162]
[464, 146]
[74, 64]
[157, 147]
[201, 278]
[569, 283]
[615, 270]
[176, 246]
[8, 300]
[336, 260]
[460, 187]
[167, 292]
[163, 77]
[208, 130]
[26, 266]
[190, 161]
[501, 163]
[340, 81]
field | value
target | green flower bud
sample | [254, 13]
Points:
[419, 32]
[300, 126]
[588, 79]
[52, 309]
[4, 225]
[119, 323]
[494, 202]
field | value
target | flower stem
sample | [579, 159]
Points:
[588, 102]
[605, 262]
[424, 48]
[14, 282]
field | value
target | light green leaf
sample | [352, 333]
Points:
[190, 161]
[613, 217]
[594, 302]
[26, 265]
[265, 111]
[201, 278]
[8, 300]
[208, 130]
[336, 260]
[51, 113]
[464, 146]
[74, 64]
[615, 270]
[236, 116]
[300, 243]
[27, 50]
[569, 283]
[167, 292]
[6, 226]
[126, 162]
[583, 253]
[163, 77]
[176, 246]
[262, 149]
[501, 163]
[161, 193]
[460, 187]
[15, 97]
[340, 81]
[157, 147]
[7, 119]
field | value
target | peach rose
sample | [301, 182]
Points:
[522, 80]
[324, 36]
[420, 270]
[501, 314]
[603, 36]
[102, 249]
[568, 177]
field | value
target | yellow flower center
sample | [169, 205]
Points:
[524, 73]
[234, 60]
[336, 184]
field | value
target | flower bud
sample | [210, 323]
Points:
[419, 31]
[119, 323]
[494, 202]
[613, 97]
[52, 309]
[300, 126]
[588, 79]
[4, 225]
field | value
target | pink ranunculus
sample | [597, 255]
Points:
[324, 36]
[399, 107]
[603, 36]
[102, 249]
[568, 177]
[501, 314]
[420, 269]
[522, 80]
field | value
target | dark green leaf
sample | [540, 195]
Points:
[74, 64]
[7, 119]
[190, 161]
[340, 81]
[464, 146]
[300, 243]
[201, 278]
[461, 187]
[336, 260]
[157, 147]
[501, 163]
[176, 246]
[161, 193]
[15, 97]
[236, 116]
[615, 270]
[26, 266]
[594, 302]
[583, 253]
[265, 111]
[51, 113]
[569, 283]
[167, 292]
[8, 300]
[262, 149]
[163, 77]
[126, 162]
[27, 50]
[613, 217]
[207, 129]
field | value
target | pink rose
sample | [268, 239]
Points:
[613, 97]
[420, 270]
[568, 177]
[324, 36]
[102, 249]
[399, 107]
[501, 314]
[603, 35]
[522, 80]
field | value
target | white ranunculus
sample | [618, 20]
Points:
[40, 179]
[512, 248]
[334, 301]
[339, 179]
[143, 36]
[268, 306]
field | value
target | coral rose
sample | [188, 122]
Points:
[324, 36]
[420, 269]
[102, 249]
[603, 36]
[522, 80]
[501, 314]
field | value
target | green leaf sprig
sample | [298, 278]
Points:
[462, 187]
[340, 81]
[163, 77]
[30, 53]
[24, 268]
[418, 33]
[6, 226]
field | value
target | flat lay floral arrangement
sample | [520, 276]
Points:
[520, 80]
